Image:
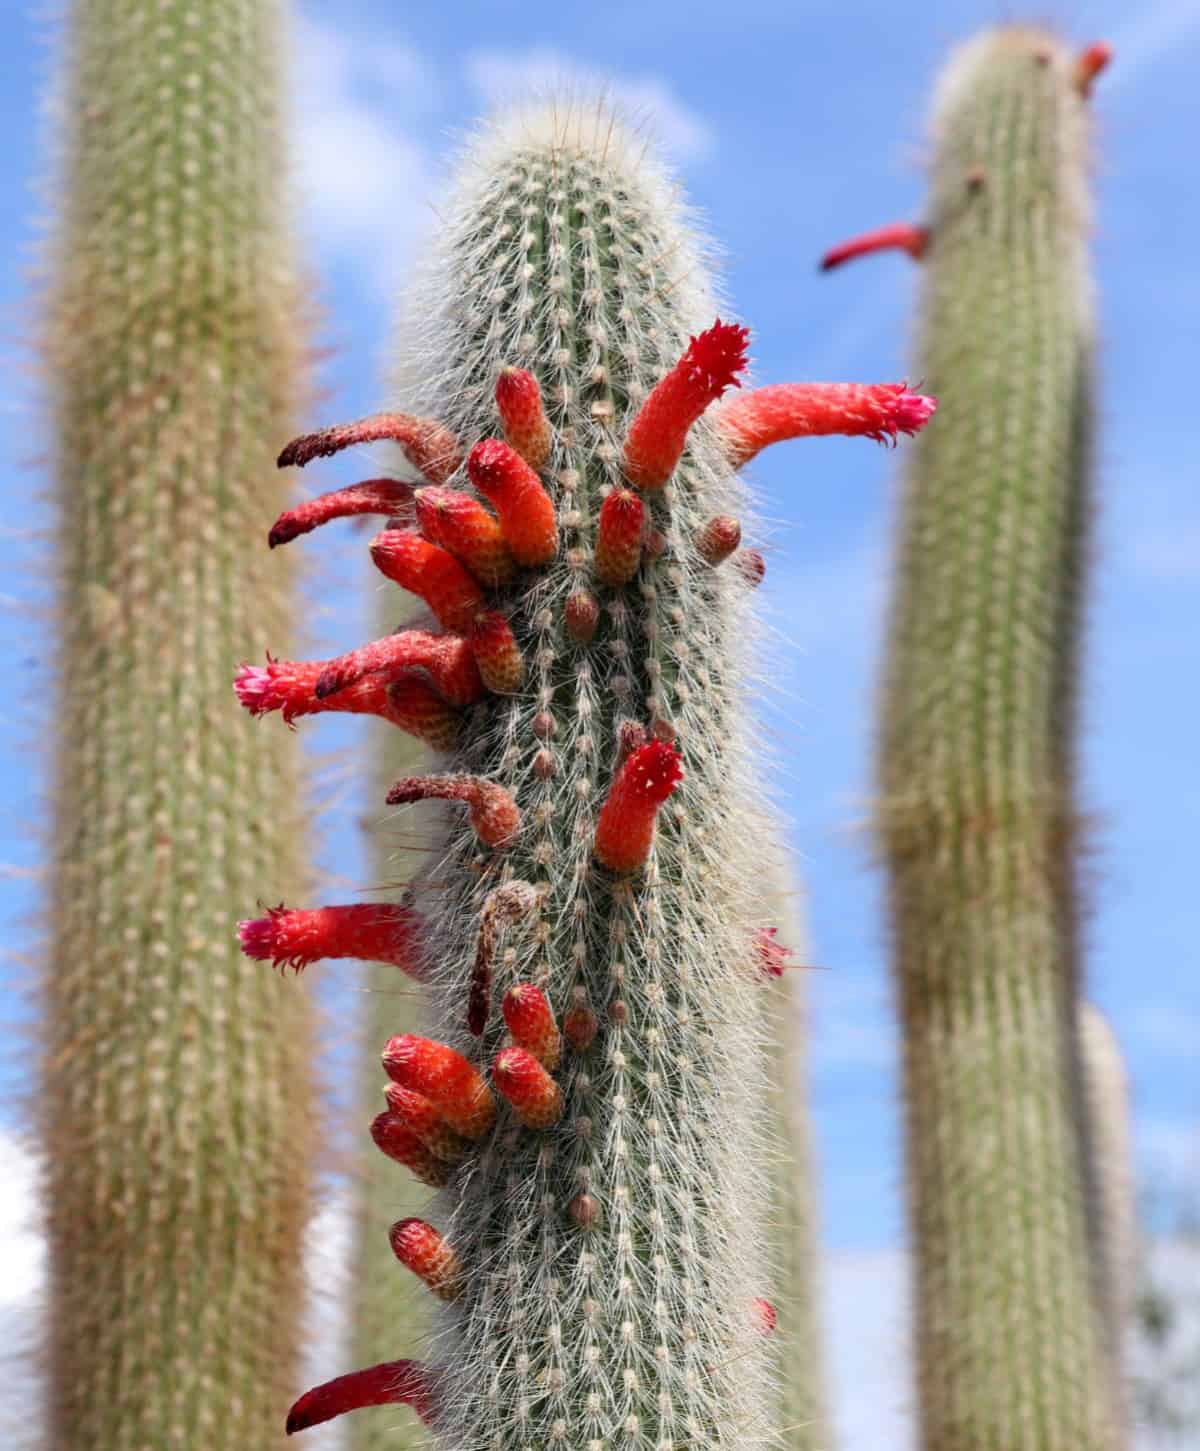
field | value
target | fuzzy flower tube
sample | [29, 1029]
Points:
[589, 1094]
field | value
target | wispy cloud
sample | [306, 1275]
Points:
[647, 99]
[364, 179]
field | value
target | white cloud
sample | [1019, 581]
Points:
[866, 1327]
[364, 181]
[647, 99]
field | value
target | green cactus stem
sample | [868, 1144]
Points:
[804, 1421]
[977, 817]
[175, 1097]
[593, 1104]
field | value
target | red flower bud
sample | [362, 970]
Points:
[527, 516]
[393, 1137]
[625, 827]
[522, 1080]
[496, 654]
[434, 574]
[1092, 60]
[619, 537]
[369, 931]
[424, 1250]
[423, 1120]
[530, 1020]
[582, 614]
[656, 437]
[460, 524]
[451, 1084]
[522, 415]
[718, 539]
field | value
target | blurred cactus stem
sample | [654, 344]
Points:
[175, 1099]
[977, 818]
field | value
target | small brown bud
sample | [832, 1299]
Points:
[544, 765]
[751, 565]
[718, 539]
[584, 1210]
[582, 614]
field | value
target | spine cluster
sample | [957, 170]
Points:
[588, 1095]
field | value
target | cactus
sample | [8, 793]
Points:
[977, 820]
[592, 1106]
[804, 1421]
[176, 1196]
[1110, 1166]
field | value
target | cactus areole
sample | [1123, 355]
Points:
[592, 965]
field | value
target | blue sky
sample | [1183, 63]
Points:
[793, 125]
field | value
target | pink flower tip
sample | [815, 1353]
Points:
[255, 688]
[258, 935]
[772, 955]
[913, 411]
[716, 357]
[653, 771]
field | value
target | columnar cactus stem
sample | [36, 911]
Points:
[977, 817]
[608, 1207]
[177, 1109]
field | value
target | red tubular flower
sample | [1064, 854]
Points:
[423, 569]
[445, 1078]
[625, 828]
[290, 686]
[459, 523]
[717, 540]
[423, 1120]
[530, 1020]
[522, 1080]
[394, 1383]
[446, 659]
[897, 236]
[424, 1250]
[375, 496]
[491, 809]
[762, 1312]
[526, 511]
[431, 448]
[656, 437]
[619, 537]
[496, 654]
[369, 931]
[415, 709]
[393, 1137]
[771, 956]
[522, 415]
[803, 410]
[1092, 60]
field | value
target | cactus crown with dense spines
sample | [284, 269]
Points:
[609, 1219]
